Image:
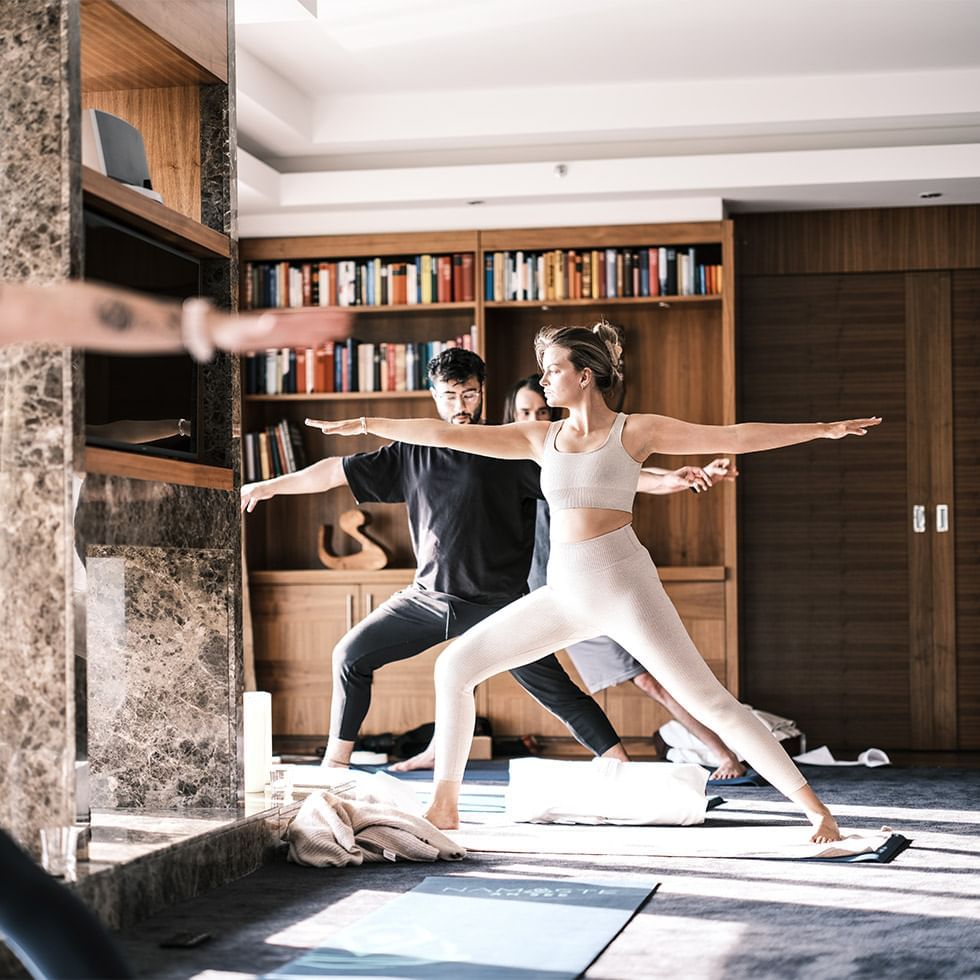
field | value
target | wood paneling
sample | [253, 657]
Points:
[871, 240]
[824, 550]
[131, 44]
[168, 120]
[965, 517]
[932, 626]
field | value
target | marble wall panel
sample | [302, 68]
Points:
[161, 634]
[39, 184]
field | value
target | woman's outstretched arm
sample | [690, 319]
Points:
[519, 440]
[662, 434]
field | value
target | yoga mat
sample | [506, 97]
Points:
[458, 927]
[782, 843]
[479, 771]
[751, 778]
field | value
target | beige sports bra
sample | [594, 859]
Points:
[603, 478]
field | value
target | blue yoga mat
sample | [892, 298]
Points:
[480, 771]
[751, 778]
[457, 927]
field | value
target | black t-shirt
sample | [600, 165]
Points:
[471, 517]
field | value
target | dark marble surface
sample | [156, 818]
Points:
[161, 636]
[39, 42]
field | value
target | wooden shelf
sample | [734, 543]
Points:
[338, 396]
[549, 304]
[358, 246]
[601, 236]
[109, 197]
[111, 462]
[387, 308]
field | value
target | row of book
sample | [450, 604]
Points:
[411, 281]
[601, 273]
[275, 451]
[344, 366]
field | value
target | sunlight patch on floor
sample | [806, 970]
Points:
[314, 930]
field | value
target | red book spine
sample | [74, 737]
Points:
[445, 279]
[467, 295]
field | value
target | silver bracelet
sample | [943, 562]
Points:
[194, 329]
[363, 429]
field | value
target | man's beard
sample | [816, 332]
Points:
[468, 418]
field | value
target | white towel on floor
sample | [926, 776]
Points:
[605, 791]
[328, 831]
[824, 757]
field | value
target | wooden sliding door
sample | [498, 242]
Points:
[824, 551]
[859, 558]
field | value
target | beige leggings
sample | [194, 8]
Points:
[604, 586]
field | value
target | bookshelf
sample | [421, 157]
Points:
[679, 361]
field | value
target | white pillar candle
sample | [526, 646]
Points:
[258, 739]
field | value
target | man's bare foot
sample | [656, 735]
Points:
[443, 817]
[825, 829]
[731, 768]
[424, 760]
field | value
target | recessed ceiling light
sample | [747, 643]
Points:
[927, 195]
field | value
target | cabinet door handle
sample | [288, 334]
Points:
[350, 611]
[919, 519]
[942, 518]
[368, 603]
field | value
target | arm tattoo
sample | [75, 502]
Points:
[116, 315]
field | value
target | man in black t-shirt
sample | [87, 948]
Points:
[471, 520]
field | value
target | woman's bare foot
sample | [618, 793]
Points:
[424, 760]
[730, 768]
[442, 816]
[825, 829]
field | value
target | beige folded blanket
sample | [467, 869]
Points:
[328, 831]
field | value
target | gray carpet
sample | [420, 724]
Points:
[916, 918]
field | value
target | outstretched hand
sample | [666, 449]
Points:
[852, 427]
[701, 478]
[299, 327]
[252, 493]
[341, 427]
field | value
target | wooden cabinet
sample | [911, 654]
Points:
[298, 617]
[679, 360]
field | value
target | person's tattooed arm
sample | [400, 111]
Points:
[97, 317]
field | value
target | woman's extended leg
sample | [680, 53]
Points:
[518, 634]
[643, 619]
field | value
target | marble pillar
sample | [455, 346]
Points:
[40, 195]
[162, 699]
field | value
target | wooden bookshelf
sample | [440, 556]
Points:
[679, 361]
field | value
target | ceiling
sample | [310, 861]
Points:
[387, 115]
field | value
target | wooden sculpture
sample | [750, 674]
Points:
[371, 556]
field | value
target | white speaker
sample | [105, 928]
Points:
[115, 148]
